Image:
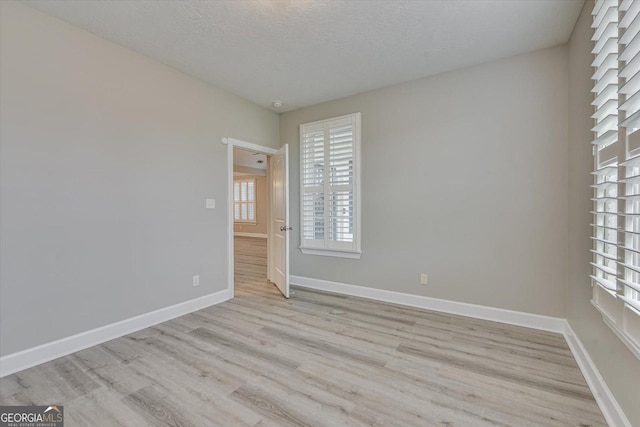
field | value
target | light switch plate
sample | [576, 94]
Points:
[210, 203]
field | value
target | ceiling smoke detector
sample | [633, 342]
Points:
[277, 104]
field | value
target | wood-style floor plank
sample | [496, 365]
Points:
[316, 359]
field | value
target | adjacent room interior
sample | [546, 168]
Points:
[320, 213]
[251, 215]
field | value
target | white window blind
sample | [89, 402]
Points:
[244, 200]
[616, 147]
[329, 187]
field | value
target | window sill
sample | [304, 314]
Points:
[245, 222]
[332, 253]
[628, 341]
[617, 322]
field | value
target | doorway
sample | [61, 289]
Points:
[258, 218]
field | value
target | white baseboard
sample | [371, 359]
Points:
[21, 360]
[606, 401]
[536, 321]
[240, 234]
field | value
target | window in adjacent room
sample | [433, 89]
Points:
[244, 200]
[330, 187]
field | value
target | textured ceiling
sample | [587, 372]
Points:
[303, 52]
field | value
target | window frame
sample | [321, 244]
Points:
[326, 246]
[240, 180]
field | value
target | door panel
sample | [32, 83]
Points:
[280, 219]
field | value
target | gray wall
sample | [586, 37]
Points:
[464, 178]
[106, 160]
[619, 367]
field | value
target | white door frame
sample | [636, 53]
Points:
[231, 144]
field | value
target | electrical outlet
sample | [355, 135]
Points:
[196, 280]
[210, 203]
[423, 279]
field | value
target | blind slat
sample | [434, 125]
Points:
[630, 50]
[633, 285]
[609, 47]
[610, 92]
[607, 284]
[633, 303]
[604, 255]
[608, 270]
[631, 31]
[630, 12]
[632, 121]
[606, 13]
[629, 68]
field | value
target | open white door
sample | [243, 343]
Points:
[280, 219]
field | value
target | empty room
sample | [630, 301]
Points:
[319, 213]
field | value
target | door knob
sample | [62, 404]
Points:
[285, 228]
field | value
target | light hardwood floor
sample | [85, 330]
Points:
[315, 360]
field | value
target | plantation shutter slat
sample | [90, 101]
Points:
[633, 268]
[629, 11]
[633, 303]
[604, 11]
[607, 156]
[630, 33]
[605, 269]
[630, 68]
[607, 284]
[627, 248]
[632, 121]
[606, 138]
[606, 95]
[630, 86]
[603, 254]
[611, 45]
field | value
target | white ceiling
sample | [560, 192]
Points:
[249, 159]
[303, 52]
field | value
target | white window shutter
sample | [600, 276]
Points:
[616, 145]
[244, 200]
[329, 180]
